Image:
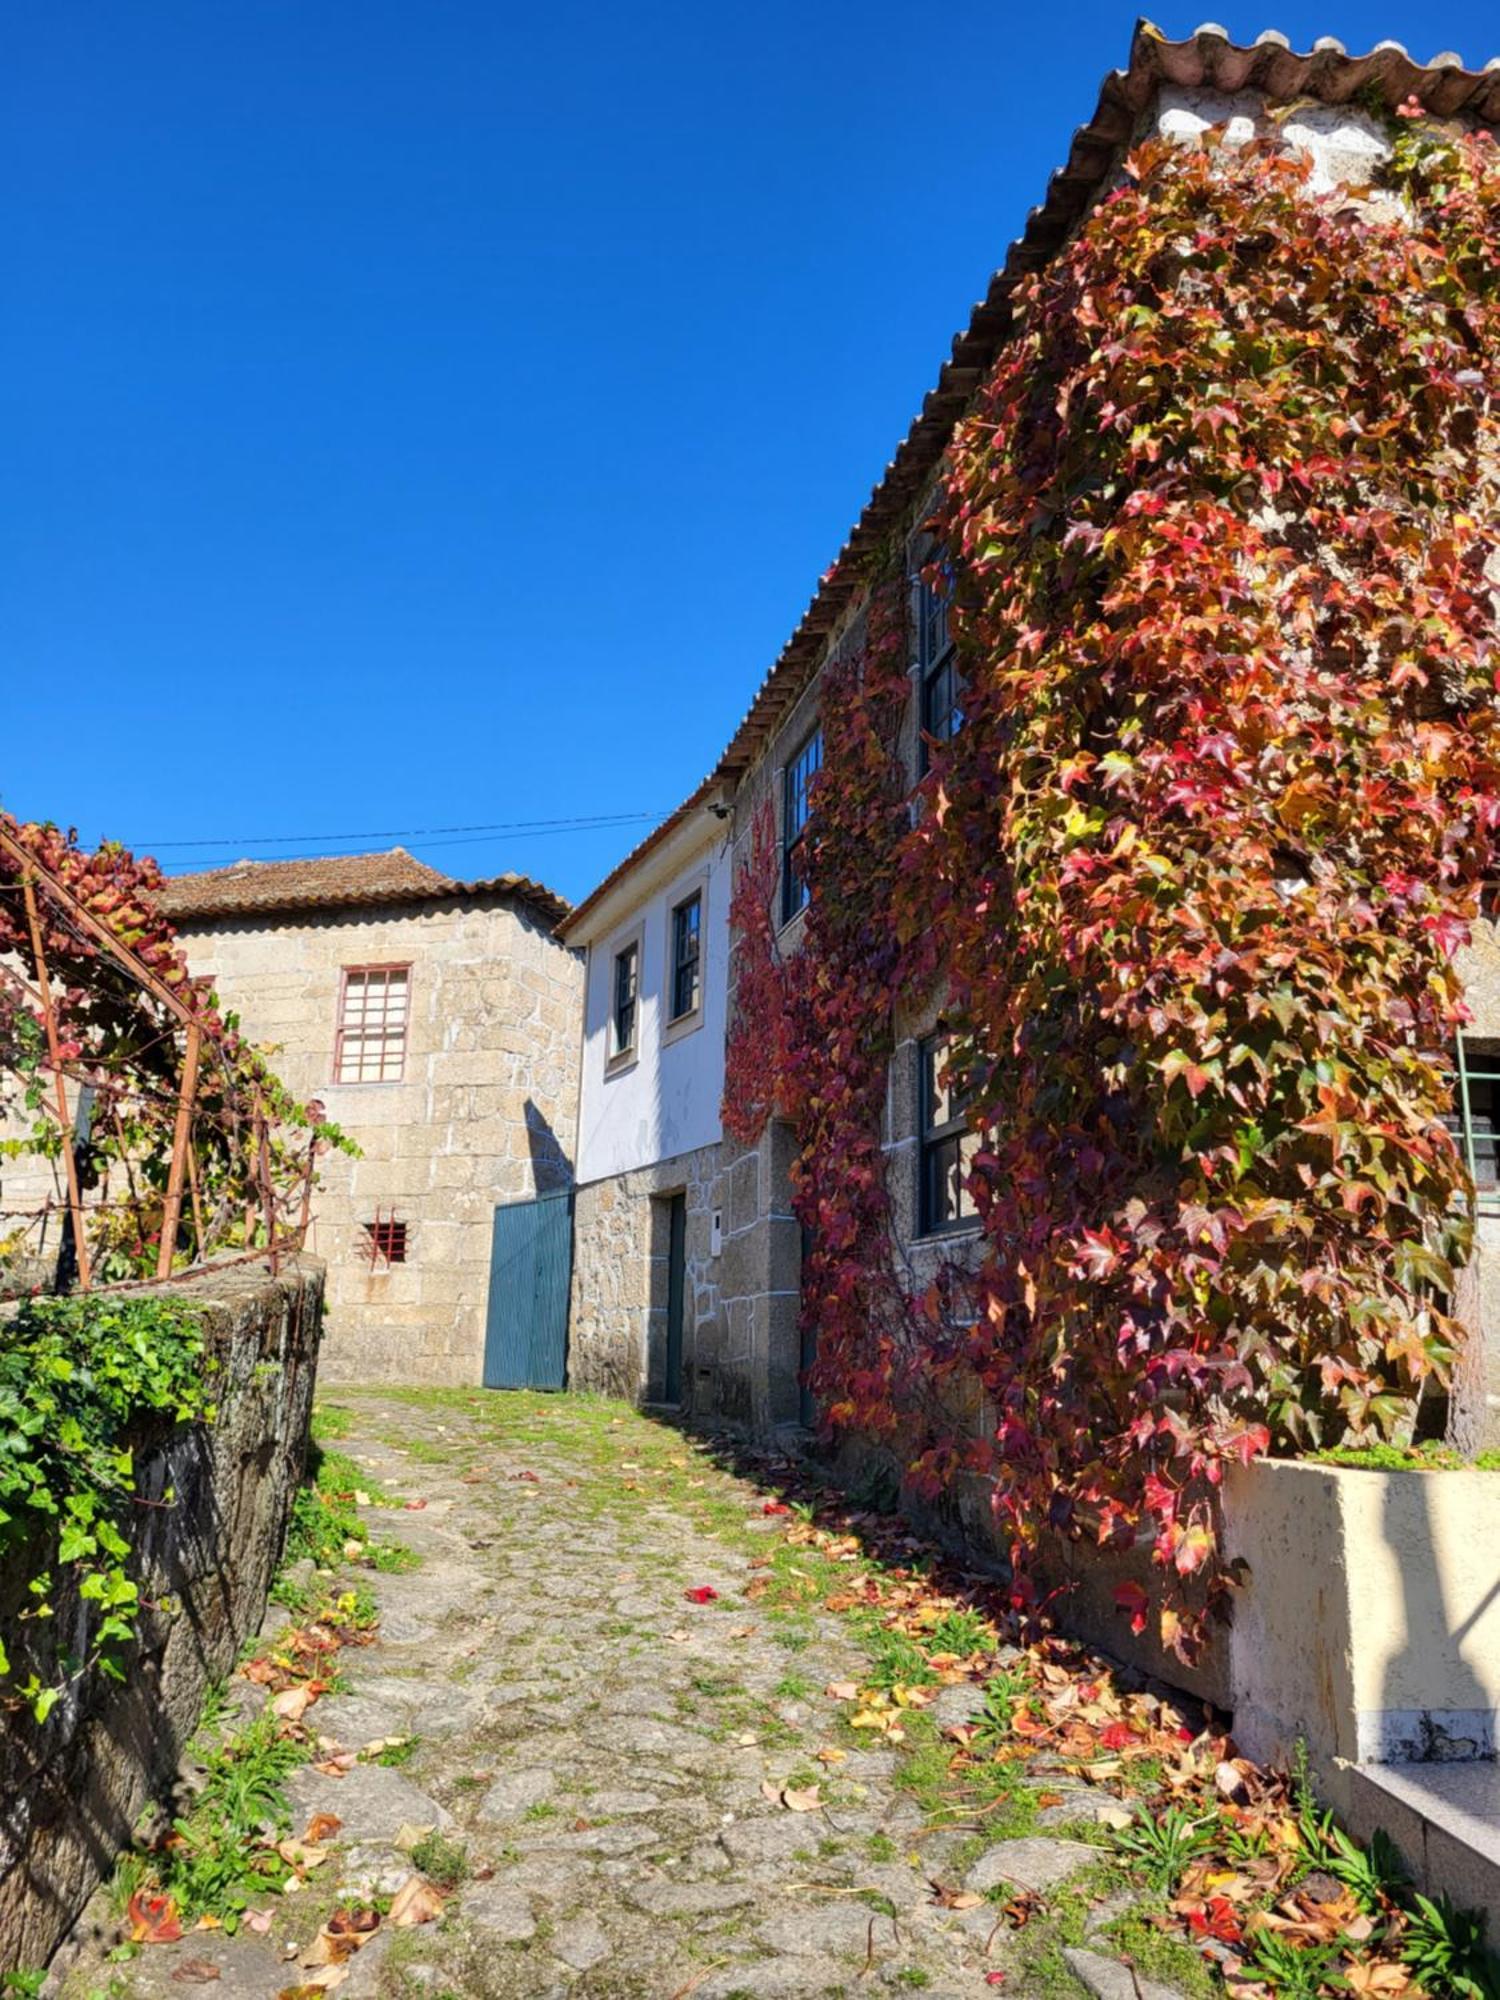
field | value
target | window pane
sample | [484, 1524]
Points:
[932, 635]
[626, 970]
[686, 924]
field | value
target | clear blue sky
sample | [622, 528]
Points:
[439, 414]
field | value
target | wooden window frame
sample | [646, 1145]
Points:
[342, 1025]
[936, 1143]
[1477, 1132]
[682, 1017]
[937, 662]
[619, 1055]
[795, 791]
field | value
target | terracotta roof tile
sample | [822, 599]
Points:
[337, 881]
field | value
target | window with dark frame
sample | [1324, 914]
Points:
[947, 1144]
[1475, 1119]
[370, 1045]
[626, 999]
[687, 946]
[795, 814]
[942, 708]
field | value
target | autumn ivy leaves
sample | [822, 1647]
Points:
[1196, 864]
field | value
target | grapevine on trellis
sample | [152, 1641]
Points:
[119, 1040]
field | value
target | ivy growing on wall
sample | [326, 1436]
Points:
[1196, 865]
[85, 1384]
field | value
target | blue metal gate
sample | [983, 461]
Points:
[531, 1262]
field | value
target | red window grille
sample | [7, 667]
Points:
[387, 1240]
[370, 1046]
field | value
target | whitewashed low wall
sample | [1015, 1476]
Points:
[1370, 1626]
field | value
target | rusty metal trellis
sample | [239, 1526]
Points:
[249, 1116]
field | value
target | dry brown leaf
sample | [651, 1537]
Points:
[806, 1799]
[292, 1703]
[196, 1972]
[842, 1691]
[322, 1826]
[417, 1901]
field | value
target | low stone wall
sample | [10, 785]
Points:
[72, 1789]
[1370, 1626]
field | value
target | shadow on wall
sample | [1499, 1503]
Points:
[551, 1169]
[1434, 1707]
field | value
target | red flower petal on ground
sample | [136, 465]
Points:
[701, 1593]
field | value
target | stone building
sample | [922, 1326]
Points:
[436, 1021]
[647, 1317]
[1337, 109]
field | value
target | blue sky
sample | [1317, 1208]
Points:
[438, 415]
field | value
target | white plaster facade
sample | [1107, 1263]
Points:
[664, 1100]
[648, 1122]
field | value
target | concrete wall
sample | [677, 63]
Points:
[664, 1101]
[1370, 1626]
[72, 1789]
[485, 1112]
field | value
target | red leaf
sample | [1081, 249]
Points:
[153, 1919]
[701, 1593]
[1132, 1598]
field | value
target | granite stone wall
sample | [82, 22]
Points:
[617, 1335]
[72, 1788]
[485, 1112]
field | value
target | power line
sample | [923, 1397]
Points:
[534, 826]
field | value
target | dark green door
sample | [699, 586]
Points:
[676, 1286]
[531, 1262]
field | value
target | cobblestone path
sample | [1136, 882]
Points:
[610, 1728]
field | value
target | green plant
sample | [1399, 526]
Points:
[1445, 1949]
[1002, 1693]
[87, 1385]
[221, 1857]
[1375, 1875]
[962, 1632]
[443, 1861]
[895, 1659]
[1162, 1848]
[21, 1985]
[1294, 1970]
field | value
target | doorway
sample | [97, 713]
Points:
[676, 1294]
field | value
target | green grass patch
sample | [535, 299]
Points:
[1404, 1458]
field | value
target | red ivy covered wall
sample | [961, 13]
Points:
[1191, 875]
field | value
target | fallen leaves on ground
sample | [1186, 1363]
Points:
[701, 1593]
[153, 1919]
[196, 1972]
[417, 1901]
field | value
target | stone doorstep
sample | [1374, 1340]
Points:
[1445, 1818]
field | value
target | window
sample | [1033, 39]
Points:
[796, 787]
[1475, 1119]
[371, 1043]
[386, 1239]
[626, 1000]
[942, 711]
[948, 1145]
[687, 947]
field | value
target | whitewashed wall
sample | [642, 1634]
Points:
[667, 1101]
